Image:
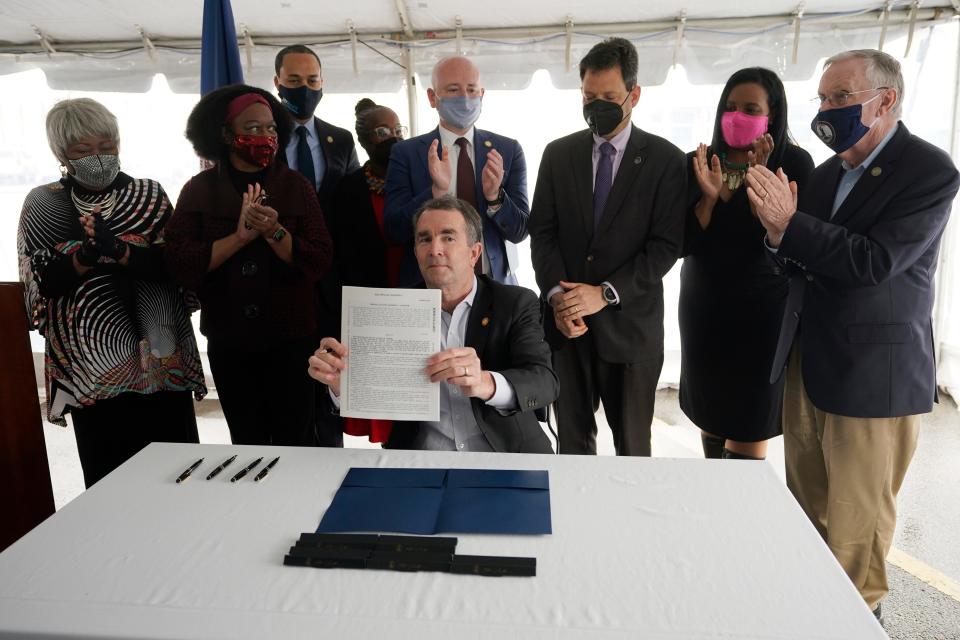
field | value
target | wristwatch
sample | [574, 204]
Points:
[609, 295]
[499, 200]
[279, 234]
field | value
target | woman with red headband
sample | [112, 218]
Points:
[248, 236]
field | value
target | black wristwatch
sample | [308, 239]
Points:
[609, 295]
[499, 200]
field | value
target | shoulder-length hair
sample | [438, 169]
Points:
[776, 102]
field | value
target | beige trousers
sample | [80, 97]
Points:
[845, 473]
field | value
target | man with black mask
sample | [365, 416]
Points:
[323, 153]
[605, 227]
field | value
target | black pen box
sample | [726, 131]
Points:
[417, 544]
[409, 561]
[301, 557]
[338, 540]
[494, 566]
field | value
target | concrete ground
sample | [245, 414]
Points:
[924, 566]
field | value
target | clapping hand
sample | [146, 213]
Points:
[760, 150]
[774, 199]
[492, 176]
[245, 229]
[709, 175]
[440, 167]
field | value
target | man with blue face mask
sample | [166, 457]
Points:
[856, 340]
[483, 168]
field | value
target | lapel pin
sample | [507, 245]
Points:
[485, 321]
[330, 139]
[876, 171]
[487, 144]
[637, 160]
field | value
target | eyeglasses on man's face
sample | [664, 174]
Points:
[842, 98]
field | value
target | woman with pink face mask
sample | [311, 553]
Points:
[731, 291]
[248, 236]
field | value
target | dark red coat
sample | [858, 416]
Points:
[253, 297]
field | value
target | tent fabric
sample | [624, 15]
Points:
[99, 45]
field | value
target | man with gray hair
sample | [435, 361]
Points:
[494, 365]
[856, 340]
[482, 168]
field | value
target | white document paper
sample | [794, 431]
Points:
[390, 334]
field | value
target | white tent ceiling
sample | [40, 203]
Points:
[97, 44]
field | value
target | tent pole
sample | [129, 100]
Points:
[949, 240]
[411, 83]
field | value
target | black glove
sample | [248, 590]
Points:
[88, 255]
[106, 243]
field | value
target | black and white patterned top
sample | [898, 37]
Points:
[116, 329]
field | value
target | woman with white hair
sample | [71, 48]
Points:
[121, 356]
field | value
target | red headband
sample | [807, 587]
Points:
[241, 102]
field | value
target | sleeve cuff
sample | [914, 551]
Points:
[504, 397]
[556, 289]
[334, 399]
[766, 243]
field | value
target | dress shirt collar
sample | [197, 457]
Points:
[449, 138]
[312, 134]
[873, 154]
[468, 300]
[618, 141]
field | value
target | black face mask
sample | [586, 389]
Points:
[381, 152]
[301, 102]
[602, 116]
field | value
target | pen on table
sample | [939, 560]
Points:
[186, 474]
[221, 467]
[247, 469]
[263, 472]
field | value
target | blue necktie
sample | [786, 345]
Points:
[603, 181]
[305, 158]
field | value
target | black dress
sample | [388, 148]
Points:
[731, 301]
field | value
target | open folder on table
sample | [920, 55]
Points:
[427, 501]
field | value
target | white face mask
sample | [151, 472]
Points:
[96, 172]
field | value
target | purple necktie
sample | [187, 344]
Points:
[603, 181]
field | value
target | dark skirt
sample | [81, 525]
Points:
[729, 323]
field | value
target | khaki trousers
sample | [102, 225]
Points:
[845, 473]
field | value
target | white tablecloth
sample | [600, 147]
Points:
[642, 548]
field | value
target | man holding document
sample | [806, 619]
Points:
[493, 366]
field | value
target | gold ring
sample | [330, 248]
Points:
[464, 372]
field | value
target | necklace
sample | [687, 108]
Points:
[106, 202]
[733, 172]
[374, 183]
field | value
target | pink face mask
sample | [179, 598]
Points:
[740, 129]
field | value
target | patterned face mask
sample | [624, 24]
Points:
[258, 150]
[96, 172]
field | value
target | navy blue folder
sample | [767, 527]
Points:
[427, 501]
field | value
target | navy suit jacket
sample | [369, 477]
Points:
[409, 186]
[861, 286]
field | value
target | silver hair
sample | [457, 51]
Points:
[72, 120]
[882, 70]
[452, 203]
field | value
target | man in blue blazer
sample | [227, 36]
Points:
[483, 168]
[861, 246]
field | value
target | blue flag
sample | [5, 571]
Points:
[219, 53]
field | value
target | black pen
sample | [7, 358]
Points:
[247, 469]
[221, 467]
[186, 474]
[263, 472]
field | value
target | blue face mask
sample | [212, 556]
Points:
[460, 111]
[841, 128]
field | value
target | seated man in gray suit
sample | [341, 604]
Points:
[493, 367]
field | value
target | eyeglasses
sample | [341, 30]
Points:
[386, 132]
[841, 98]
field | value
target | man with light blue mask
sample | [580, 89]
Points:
[856, 342]
[482, 168]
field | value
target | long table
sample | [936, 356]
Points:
[642, 548]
